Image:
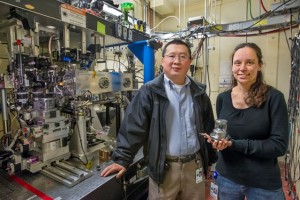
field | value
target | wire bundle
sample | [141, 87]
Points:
[292, 157]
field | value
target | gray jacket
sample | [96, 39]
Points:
[144, 125]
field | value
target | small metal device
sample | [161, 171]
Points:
[220, 130]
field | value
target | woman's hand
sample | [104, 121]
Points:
[217, 144]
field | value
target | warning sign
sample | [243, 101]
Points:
[73, 15]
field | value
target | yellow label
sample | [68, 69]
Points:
[101, 28]
[262, 22]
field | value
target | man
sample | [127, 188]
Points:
[166, 117]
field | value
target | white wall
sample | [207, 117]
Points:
[274, 46]
[277, 58]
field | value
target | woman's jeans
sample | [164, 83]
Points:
[229, 190]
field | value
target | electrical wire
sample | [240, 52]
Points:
[249, 5]
[78, 131]
[198, 49]
[286, 38]
[216, 27]
[208, 80]
[262, 17]
[117, 61]
[164, 20]
[81, 143]
[196, 63]
[292, 157]
[258, 34]
[263, 6]
[139, 77]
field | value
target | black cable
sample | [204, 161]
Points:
[293, 111]
[87, 91]
[117, 61]
[78, 131]
[286, 39]
[262, 17]
[72, 156]
[258, 34]
[9, 121]
[215, 27]
[139, 77]
[208, 80]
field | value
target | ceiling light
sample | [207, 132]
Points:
[112, 11]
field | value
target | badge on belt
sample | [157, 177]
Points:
[214, 187]
[199, 173]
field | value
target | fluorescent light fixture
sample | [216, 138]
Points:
[112, 11]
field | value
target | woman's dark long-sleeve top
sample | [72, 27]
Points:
[259, 136]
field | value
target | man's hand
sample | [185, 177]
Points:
[112, 169]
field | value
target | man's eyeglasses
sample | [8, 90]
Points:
[180, 57]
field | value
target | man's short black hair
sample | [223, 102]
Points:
[178, 42]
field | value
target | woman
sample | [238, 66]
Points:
[257, 119]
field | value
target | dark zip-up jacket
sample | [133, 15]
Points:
[144, 125]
